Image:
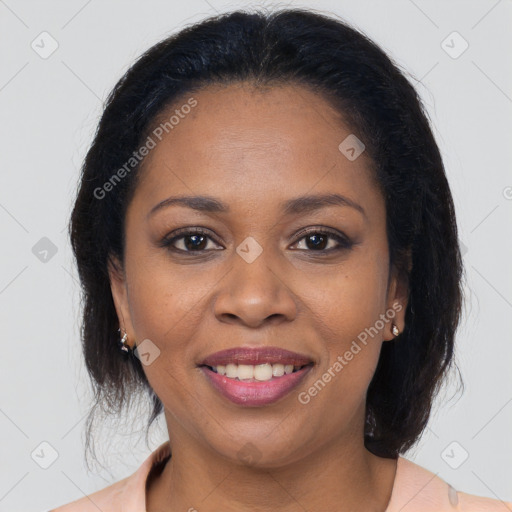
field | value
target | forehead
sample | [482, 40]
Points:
[255, 143]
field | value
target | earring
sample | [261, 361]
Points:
[395, 330]
[122, 342]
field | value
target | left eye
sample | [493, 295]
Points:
[316, 240]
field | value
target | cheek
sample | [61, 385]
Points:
[349, 301]
[166, 307]
[348, 313]
[165, 297]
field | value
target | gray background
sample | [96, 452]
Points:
[49, 110]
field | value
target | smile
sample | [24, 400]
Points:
[255, 373]
[258, 386]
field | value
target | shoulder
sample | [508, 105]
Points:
[130, 491]
[471, 503]
[418, 489]
[107, 499]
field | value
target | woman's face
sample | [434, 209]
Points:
[251, 279]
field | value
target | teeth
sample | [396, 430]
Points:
[278, 370]
[263, 371]
[259, 372]
[245, 371]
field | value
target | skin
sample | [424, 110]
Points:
[253, 149]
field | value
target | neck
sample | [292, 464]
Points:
[341, 475]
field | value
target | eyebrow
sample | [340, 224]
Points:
[301, 204]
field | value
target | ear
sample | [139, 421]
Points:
[119, 289]
[397, 299]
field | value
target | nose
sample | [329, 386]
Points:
[255, 293]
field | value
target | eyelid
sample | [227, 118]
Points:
[168, 240]
[319, 229]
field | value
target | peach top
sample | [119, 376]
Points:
[415, 489]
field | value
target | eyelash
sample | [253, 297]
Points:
[343, 241]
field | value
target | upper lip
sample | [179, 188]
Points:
[254, 356]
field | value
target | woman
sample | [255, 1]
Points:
[267, 245]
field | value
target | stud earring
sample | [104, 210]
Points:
[395, 330]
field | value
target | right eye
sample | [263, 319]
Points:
[191, 239]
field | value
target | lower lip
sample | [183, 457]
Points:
[255, 394]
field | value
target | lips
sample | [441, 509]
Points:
[256, 356]
[276, 373]
[255, 394]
